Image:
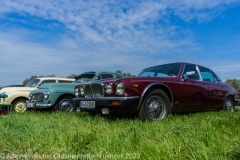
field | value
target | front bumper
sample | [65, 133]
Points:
[30, 104]
[113, 104]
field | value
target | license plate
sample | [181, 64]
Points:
[87, 104]
[30, 105]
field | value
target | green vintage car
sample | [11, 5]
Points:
[57, 96]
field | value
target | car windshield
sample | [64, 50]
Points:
[33, 83]
[161, 71]
[83, 78]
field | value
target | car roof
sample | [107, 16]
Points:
[58, 78]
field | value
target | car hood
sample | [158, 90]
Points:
[8, 90]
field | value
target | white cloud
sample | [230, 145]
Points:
[100, 34]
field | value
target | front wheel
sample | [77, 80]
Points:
[156, 106]
[64, 104]
[228, 105]
[20, 105]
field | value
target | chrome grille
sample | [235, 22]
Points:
[37, 97]
[94, 90]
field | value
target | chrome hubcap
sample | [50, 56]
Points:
[229, 105]
[156, 108]
[20, 107]
[65, 106]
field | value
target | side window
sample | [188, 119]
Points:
[63, 81]
[191, 68]
[46, 81]
[49, 81]
[207, 75]
[105, 76]
[217, 80]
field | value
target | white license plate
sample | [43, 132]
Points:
[87, 104]
[30, 105]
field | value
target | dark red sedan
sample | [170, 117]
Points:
[157, 91]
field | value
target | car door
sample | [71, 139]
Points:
[216, 90]
[194, 93]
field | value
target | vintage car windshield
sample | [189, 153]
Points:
[33, 83]
[83, 78]
[161, 71]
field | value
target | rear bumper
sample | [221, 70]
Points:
[237, 100]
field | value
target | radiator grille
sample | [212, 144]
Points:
[37, 97]
[94, 90]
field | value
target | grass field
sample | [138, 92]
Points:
[44, 135]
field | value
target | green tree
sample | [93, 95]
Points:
[71, 76]
[234, 83]
[118, 71]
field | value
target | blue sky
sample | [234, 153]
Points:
[70, 37]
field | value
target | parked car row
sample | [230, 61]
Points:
[154, 94]
[57, 91]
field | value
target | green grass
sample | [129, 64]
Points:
[209, 135]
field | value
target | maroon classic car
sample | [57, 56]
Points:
[158, 91]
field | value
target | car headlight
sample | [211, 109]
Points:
[82, 91]
[76, 92]
[120, 88]
[30, 97]
[46, 95]
[108, 88]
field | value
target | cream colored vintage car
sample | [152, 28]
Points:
[17, 96]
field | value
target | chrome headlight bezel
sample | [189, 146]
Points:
[81, 91]
[76, 91]
[108, 88]
[120, 88]
[46, 95]
[29, 96]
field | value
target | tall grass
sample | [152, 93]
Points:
[44, 135]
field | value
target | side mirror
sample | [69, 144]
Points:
[189, 74]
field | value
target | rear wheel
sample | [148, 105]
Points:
[156, 106]
[64, 104]
[19, 105]
[228, 105]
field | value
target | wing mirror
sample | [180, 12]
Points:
[189, 74]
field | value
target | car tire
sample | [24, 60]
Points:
[156, 106]
[228, 105]
[64, 104]
[19, 105]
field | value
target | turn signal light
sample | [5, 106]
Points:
[115, 103]
[135, 85]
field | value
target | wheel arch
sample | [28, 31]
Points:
[18, 98]
[231, 96]
[154, 86]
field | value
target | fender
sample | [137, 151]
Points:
[150, 86]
